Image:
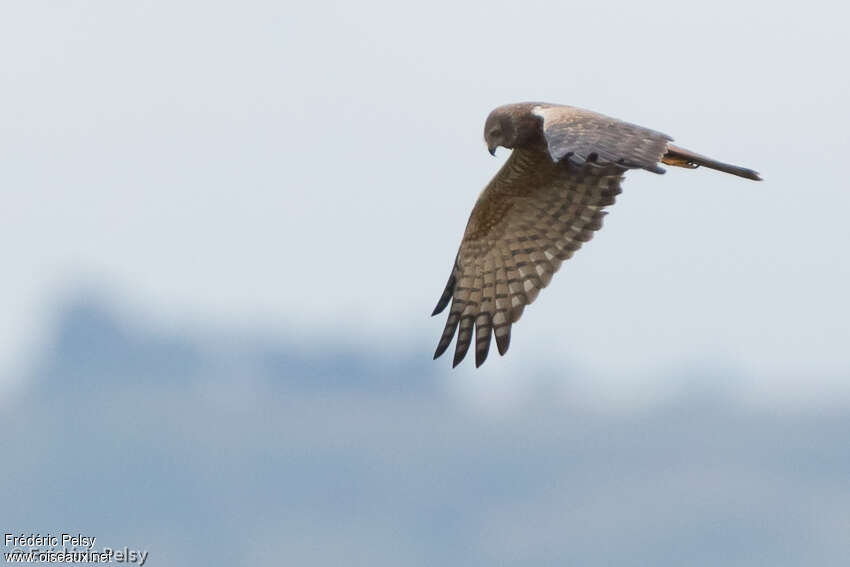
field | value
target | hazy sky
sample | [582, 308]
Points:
[309, 167]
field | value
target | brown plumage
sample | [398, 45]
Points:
[545, 202]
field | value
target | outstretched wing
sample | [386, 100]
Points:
[533, 215]
[582, 136]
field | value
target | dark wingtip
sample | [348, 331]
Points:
[443, 302]
[503, 342]
[447, 294]
[444, 343]
[441, 348]
[480, 357]
[458, 358]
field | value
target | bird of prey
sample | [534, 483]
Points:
[544, 203]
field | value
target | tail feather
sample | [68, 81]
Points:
[681, 157]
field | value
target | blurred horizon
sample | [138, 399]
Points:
[200, 446]
[86, 314]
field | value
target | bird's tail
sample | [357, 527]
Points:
[681, 157]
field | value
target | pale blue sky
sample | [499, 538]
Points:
[308, 168]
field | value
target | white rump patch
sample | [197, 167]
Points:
[540, 111]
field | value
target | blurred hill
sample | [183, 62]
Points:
[92, 345]
[251, 451]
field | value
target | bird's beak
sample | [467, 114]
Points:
[492, 150]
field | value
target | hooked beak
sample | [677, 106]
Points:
[492, 150]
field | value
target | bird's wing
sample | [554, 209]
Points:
[582, 136]
[532, 216]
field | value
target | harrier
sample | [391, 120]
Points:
[566, 167]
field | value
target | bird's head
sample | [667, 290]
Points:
[499, 130]
[510, 126]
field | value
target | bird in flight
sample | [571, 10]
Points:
[544, 203]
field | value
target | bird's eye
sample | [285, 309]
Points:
[495, 133]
